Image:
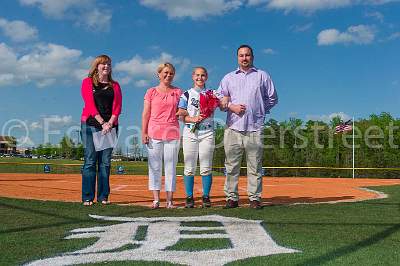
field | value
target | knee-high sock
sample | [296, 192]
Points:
[189, 183]
[207, 182]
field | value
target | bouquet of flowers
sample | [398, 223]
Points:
[208, 103]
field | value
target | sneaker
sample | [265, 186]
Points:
[170, 205]
[155, 205]
[230, 204]
[206, 202]
[189, 202]
[255, 204]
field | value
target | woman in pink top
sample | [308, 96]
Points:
[160, 131]
[102, 106]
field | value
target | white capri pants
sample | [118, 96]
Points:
[198, 145]
[157, 150]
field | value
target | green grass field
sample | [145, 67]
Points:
[26, 165]
[364, 233]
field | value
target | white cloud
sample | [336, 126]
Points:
[56, 8]
[35, 125]
[17, 30]
[142, 83]
[394, 36]
[83, 12]
[25, 142]
[256, 2]
[195, 9]
[97, 20]
[328, 118]
[43, 65]
[301, 28]
[360, 34]
[309, 6]
[376, 15]
[143, 71]
[57, 120]
[269, 51]
[47, 64]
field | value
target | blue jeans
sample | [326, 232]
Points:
[93, 157]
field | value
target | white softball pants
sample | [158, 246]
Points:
[157, 150]
[198, 145]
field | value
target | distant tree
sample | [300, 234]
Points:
[67, 147]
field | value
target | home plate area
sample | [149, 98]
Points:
[162, 239]
[193, 240]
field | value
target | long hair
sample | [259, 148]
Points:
[93, 72]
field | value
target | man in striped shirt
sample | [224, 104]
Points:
[252, 94]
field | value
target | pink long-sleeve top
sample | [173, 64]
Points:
[90, 107]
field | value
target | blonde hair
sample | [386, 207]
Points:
[93, 72]
[200, 67]
[164, 65]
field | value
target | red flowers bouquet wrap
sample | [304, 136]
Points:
[208, 103]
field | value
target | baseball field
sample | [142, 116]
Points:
[304, 221]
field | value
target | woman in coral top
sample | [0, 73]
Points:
[102, 98]
[160, 131]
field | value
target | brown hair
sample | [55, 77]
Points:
[245, 46]
[164, 65]
[101, 59]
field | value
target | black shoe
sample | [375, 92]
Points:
[206, 202]
[189, 202]
[255, 204]
[230, 204]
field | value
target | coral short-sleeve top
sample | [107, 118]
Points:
[163, 122]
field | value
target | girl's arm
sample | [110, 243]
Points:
[184, 116]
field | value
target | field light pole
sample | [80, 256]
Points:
[353, 148]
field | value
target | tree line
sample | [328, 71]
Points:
[66, 149]
[297, 143]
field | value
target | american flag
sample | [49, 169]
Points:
[342, 127]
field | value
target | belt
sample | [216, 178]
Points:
[200, 127]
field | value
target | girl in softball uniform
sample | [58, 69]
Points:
[198, 142]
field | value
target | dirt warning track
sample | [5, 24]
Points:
[130, 189]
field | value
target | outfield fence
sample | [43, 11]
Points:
[140, 168]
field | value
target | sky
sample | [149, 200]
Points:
[326, 57]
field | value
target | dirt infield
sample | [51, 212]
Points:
[129, 189]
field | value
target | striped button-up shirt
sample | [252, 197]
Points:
[256, 91]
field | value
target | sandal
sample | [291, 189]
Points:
[155, 205]
[170, 205]
[105, 202]
[87, 203]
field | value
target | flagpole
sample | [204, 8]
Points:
[353, 148]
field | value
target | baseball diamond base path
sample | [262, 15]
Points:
[129, 189]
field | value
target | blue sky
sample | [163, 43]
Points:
[325, 57]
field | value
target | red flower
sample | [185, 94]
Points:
[208, 103]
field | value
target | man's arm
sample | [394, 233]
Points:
[271, 97]
[222, 93]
